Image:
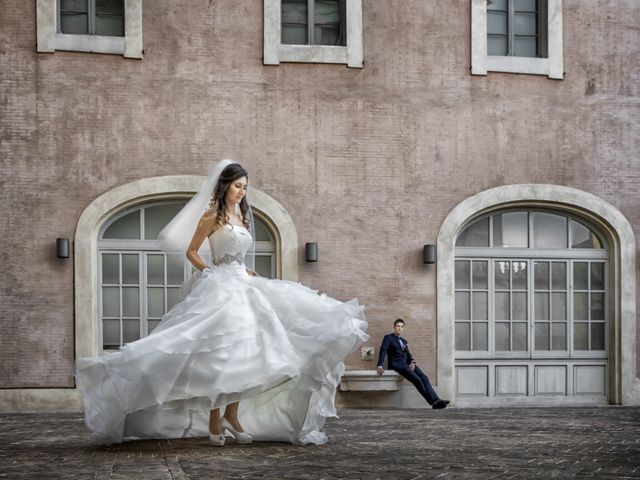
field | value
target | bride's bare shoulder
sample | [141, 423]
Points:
[208, 221]
[211, 212]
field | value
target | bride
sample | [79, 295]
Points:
[268, 352]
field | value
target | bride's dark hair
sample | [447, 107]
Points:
[217, 206]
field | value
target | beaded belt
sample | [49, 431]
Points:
[228, 259]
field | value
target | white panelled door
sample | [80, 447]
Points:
[531, 309]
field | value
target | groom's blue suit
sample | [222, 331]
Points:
[399, 359]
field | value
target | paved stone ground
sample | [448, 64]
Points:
[602, 442]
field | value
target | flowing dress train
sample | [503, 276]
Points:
[276, 346]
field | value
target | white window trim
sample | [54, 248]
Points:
[49, 40]
[275, 52]
[481, 63]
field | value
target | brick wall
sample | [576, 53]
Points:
[368, 162]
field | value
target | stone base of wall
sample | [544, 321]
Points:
[406, 397]
[41, 400]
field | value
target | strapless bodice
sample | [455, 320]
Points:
[230, 244]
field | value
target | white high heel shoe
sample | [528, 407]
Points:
[241, 437]
[216, 440]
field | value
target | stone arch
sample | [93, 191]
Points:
[626, 387]
[142, 191]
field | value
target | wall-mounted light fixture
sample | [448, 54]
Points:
[311, 252]
[62, 247]
[429, 254]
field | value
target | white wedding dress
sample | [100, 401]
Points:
[276, 346]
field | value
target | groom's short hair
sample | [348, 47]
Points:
[399, 320]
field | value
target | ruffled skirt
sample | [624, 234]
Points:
[276, 346]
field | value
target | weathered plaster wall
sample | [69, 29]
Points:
[368, 161]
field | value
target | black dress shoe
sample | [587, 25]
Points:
[440, 404]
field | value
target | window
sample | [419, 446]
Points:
[518, 36]
[537, 271]
[515, 28]
[265, 250]
[529, 229]
[138, 282]
[313, 31]
[600, 235]
[589, 299]
[471, 305]
[101, 26]
[314, 22]
[91, 17]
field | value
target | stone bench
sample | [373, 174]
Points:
[370, 381]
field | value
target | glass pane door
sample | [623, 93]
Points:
[589, 307]
[472, 289]
[550, 306]
[511, 305]
[120, 300]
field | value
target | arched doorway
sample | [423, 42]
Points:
[124, 200]
[138, 282]
[598, 216]
[531, 319]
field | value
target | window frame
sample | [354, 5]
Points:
[541, 29]
[276, 52]
[148, 247]
[555, 252]
[473, 353]
[91, 17]
[531, 353]
[621, 364]
[482, 63]
[49, 40]
[568, 255]
[311, 25]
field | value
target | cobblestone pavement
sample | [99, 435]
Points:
[601, 442]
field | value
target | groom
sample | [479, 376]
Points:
[401, 361]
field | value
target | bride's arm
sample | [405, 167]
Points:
[252, 273]
[205, 227]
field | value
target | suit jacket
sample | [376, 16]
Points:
[399, 358]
